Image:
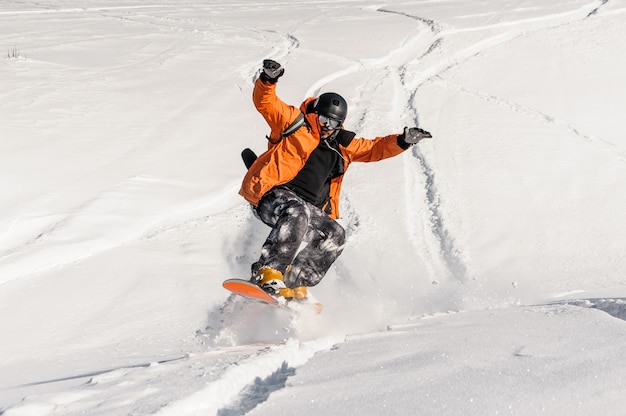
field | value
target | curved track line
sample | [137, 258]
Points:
[615, 150]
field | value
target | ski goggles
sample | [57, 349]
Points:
[330, 123]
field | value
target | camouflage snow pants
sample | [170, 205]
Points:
[295, 221]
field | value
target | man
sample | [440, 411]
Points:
[294, 186]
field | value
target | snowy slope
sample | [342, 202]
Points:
[478, 263]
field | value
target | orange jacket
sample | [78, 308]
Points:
[283, 159]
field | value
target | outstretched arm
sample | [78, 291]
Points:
[275, 111]
[365, 150]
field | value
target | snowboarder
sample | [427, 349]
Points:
[294, 186]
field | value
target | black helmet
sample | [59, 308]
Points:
[331, 105]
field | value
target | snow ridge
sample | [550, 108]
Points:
[258, 391]
[614, 307]
[239, 387]
[94, 373]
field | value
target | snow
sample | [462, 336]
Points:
[484, 269]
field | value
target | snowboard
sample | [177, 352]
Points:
[251, 291]
[248, 290]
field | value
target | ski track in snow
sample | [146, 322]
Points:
[224, 380]
[518, 28]
[431, 24]
[250, 381]
[444, 251]
[448, 252]
[611, 148]
[67, 243]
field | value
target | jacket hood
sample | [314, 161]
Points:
[307, 105]
[311, 117]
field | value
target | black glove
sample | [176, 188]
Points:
[271, 71]
[413, 135]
